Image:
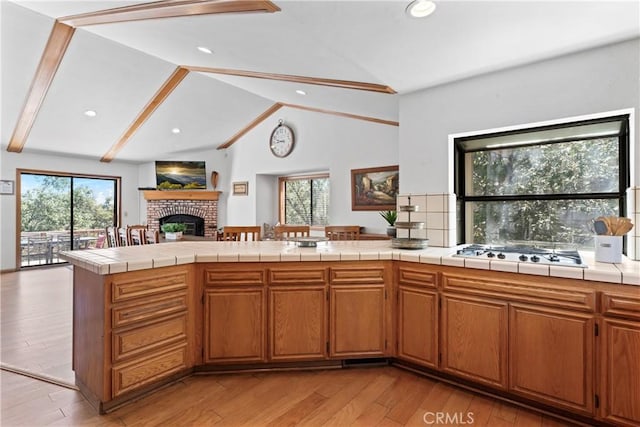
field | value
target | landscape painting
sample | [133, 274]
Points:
[180, 175]
[374, 189]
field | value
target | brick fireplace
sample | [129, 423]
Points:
[176, 204]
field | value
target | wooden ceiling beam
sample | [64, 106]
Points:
[262, 117]
[57, 44]
[172, 82]
[275, 107]
[168, 9]
[344, 84]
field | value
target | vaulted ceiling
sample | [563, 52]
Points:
[139, 67]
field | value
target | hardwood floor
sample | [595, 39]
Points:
[367, 396]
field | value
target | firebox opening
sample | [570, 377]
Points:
[195, 224]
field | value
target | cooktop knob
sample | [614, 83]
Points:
[523, 257]
[459, 251]
[501, 255]
[554, 258]
[491, 255]
[535, 258]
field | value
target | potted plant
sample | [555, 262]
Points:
[390, 217]
[173, 230]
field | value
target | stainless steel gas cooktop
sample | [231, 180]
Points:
[519, 253]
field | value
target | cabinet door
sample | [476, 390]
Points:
[551, 356]
[234, 325]
[474, 339]
[297, 323]
[357, 321]
[418, 325]
[620, 371]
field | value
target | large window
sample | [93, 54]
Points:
[542, 185]
[304, 200]
[60, 212]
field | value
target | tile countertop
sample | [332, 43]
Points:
[118, 260]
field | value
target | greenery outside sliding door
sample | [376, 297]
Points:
[61, 212]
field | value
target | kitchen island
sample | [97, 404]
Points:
[559, 338]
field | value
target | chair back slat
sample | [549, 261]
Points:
[112, 237]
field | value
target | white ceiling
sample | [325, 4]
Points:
[116, 69]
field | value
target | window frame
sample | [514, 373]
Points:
[461, 168]
[282, 180]
[19, 172]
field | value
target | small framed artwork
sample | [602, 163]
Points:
[240, 188]
[374, 189]
[7, 186]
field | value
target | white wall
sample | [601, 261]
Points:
[588, 82]
[12, 161]
[323, 143]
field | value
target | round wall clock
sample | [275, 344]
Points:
[282, 140]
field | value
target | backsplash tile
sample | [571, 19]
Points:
[437, 211]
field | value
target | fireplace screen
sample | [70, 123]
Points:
[195, 224]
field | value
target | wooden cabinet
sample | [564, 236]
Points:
[235, 313]
[551, 356]
[298, 313]
[358, 312]
[474, 339]
[620, 360]
[417, 316]
[152, 332]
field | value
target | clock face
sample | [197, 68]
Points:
[281, 141]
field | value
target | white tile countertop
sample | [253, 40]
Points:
[131, 258]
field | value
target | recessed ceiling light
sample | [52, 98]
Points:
[420, 8]
[90, 113]
[175, 130]
[301, 92]
[204, 49]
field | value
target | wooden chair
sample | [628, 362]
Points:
[123, 237]
[241, 233]
[283, 232]
[135, 235]
[112, 237]
[342, 232]
[101, 241]
[151, 237]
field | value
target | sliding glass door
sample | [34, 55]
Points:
[61, 212]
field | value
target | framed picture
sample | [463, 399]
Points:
[6, 186]
[240, 188]
[374, 189]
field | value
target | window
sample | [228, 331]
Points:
[542, 185]
[304, 200]
[61, 212]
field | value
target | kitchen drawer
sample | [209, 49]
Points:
[417, 277]
[132, 342]
[298, 276]
[236, 276]
[137, 373]
[369, 275]
[583, 299]
[128, 313]
[129, 287]
[625, 306]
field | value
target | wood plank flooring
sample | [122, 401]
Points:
[368, 396]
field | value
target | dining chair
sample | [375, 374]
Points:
[135, 234]
[284, 232]
[112, 237]
[151, 237]
[342, 232]
[241, 233]
[123, 237]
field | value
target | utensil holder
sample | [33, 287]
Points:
[608, 249]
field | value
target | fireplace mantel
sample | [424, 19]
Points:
[181, 195]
